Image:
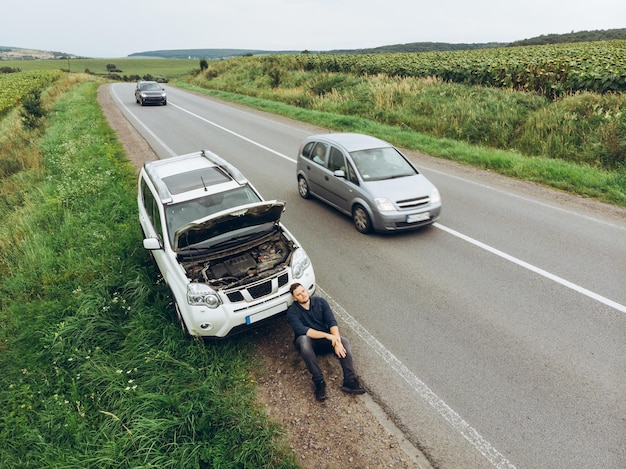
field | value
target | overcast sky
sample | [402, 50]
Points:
[117, 28]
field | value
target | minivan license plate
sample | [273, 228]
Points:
[417, 217]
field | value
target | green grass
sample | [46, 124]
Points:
[95, 371]
[168, 68]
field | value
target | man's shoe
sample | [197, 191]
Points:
[353, 387]
[320, 391]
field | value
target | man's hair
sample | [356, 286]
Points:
[294, 286]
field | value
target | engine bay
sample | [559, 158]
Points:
[245, 263]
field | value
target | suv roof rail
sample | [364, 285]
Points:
[162, 190]
[225, 166]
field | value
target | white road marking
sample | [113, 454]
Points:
[526, 199]
[449, 415]
[532, 268]
[280, 155]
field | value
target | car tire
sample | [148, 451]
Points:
[141, 101]
[303, 188]
[164, 103]
[181, 321]
[361, 219]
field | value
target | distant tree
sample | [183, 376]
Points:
[204, 64]
[32, 109]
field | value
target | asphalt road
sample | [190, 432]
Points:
[495, 338]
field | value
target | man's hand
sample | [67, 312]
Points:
[338, 347]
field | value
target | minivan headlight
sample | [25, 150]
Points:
[200, 294]
[299, 262]
[384, 205]
[435, 197]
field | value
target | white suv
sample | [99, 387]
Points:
[220, 247]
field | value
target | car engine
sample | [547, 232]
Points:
[237, 266]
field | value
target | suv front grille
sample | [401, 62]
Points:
[258, 290]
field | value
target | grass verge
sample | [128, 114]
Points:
[95, 372]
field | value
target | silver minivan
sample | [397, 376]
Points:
[368, 179]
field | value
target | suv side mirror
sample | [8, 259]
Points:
[152, 244]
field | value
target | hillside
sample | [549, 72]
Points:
[16, 53]
[581, 36]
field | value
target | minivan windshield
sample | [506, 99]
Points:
[381, 163]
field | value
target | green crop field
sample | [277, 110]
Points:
[128, 67]
[14, 86]
[550, 70]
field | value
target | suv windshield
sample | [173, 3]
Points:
[381, 163]
[180, 214]
[150, 87]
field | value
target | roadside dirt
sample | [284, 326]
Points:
[345, 431]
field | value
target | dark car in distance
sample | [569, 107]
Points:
[150, 92]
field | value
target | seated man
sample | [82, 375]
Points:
[316, 332]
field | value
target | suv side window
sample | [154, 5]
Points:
[152, 208]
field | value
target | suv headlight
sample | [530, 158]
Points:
[384, 205]
[299, 262]
[200, 294]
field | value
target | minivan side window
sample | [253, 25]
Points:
[336, 160]
[306, 151]
[319, 153]
[351, 174]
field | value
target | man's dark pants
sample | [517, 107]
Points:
[310, 348]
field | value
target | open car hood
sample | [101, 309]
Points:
[227, 221]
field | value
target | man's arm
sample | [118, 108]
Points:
[333, 336]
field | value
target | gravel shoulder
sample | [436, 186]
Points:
[343, 431]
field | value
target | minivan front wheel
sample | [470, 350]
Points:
[303, 188]
[361, 219]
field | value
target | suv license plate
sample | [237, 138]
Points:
[417, 217]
